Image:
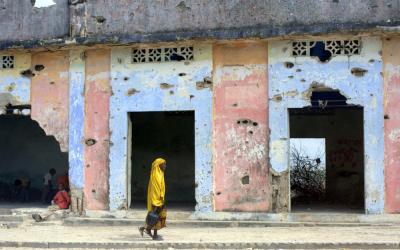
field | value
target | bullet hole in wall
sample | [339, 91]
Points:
[90, 142]
[358, 72]
[386, 117]
[165, 85]
[27, 73]
[39, 67]
[245, 180]
[126, 78]
[100, 19]
[131, 91]
[218, 193]
[182, 74]
[289, 65]
[247, 122]
[206, 83]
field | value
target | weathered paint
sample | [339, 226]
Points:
[365, 91]
[76, 117]
[97, 99]
[150, 96]
[49, 94]
[240, 127]
[15, 88]
[391, 60]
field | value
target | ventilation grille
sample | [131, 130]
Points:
[147, 55]
[7, 62]
[334, 47]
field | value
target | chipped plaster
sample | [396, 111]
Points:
[365, 91]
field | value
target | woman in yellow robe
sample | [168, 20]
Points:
[156, 198]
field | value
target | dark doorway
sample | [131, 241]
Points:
[341, 126]
[169, 135]
[27, 154]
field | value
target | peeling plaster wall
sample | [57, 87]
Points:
[152, 21]
[15, 88]
[49, 94]
[367, 91]
[144, 81]
[97, 133]
[241, 127]
[391, 60]
[20, 20]
[76, 118]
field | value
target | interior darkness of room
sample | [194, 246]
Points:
[27, 153]
[169, 135]
[342, 128]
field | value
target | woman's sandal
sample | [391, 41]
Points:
[157, 237]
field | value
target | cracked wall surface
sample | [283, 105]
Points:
[127, 17]
[365, 91]
[391, 59]
[14, 87]
[166, 86]
[21, 20]
[96, 129]
[49, 94]
[240, 127]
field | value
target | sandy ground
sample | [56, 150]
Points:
[112, 234]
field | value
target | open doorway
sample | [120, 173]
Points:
[341, 126]
[169, 135]
[27, 154]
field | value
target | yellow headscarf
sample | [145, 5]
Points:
[156, 188]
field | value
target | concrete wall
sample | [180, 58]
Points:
[226, 18]
[76, 117]
[20, 20]
[166, 86]
[49, 94]
[391, 59]
[289, 87]
[240, 127]
[96, 130]
[14, 87]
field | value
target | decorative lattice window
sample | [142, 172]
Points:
[332, 47]
[7, 62]
[163, 54]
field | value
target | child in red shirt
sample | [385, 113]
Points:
[60, 201]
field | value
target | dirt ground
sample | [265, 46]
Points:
[126, 234]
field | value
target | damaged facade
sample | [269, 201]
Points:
[237, 90]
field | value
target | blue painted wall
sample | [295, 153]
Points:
[76, 118]
[136, 87]
[288, 88]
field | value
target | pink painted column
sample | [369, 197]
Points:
[240, 132]
[49, 94]
[96, 128]
[391, 61]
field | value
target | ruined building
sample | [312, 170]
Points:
[218, 88]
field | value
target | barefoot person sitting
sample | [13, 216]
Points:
[157, 213]
[60, 201]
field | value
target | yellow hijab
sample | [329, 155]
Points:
[156, 188]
